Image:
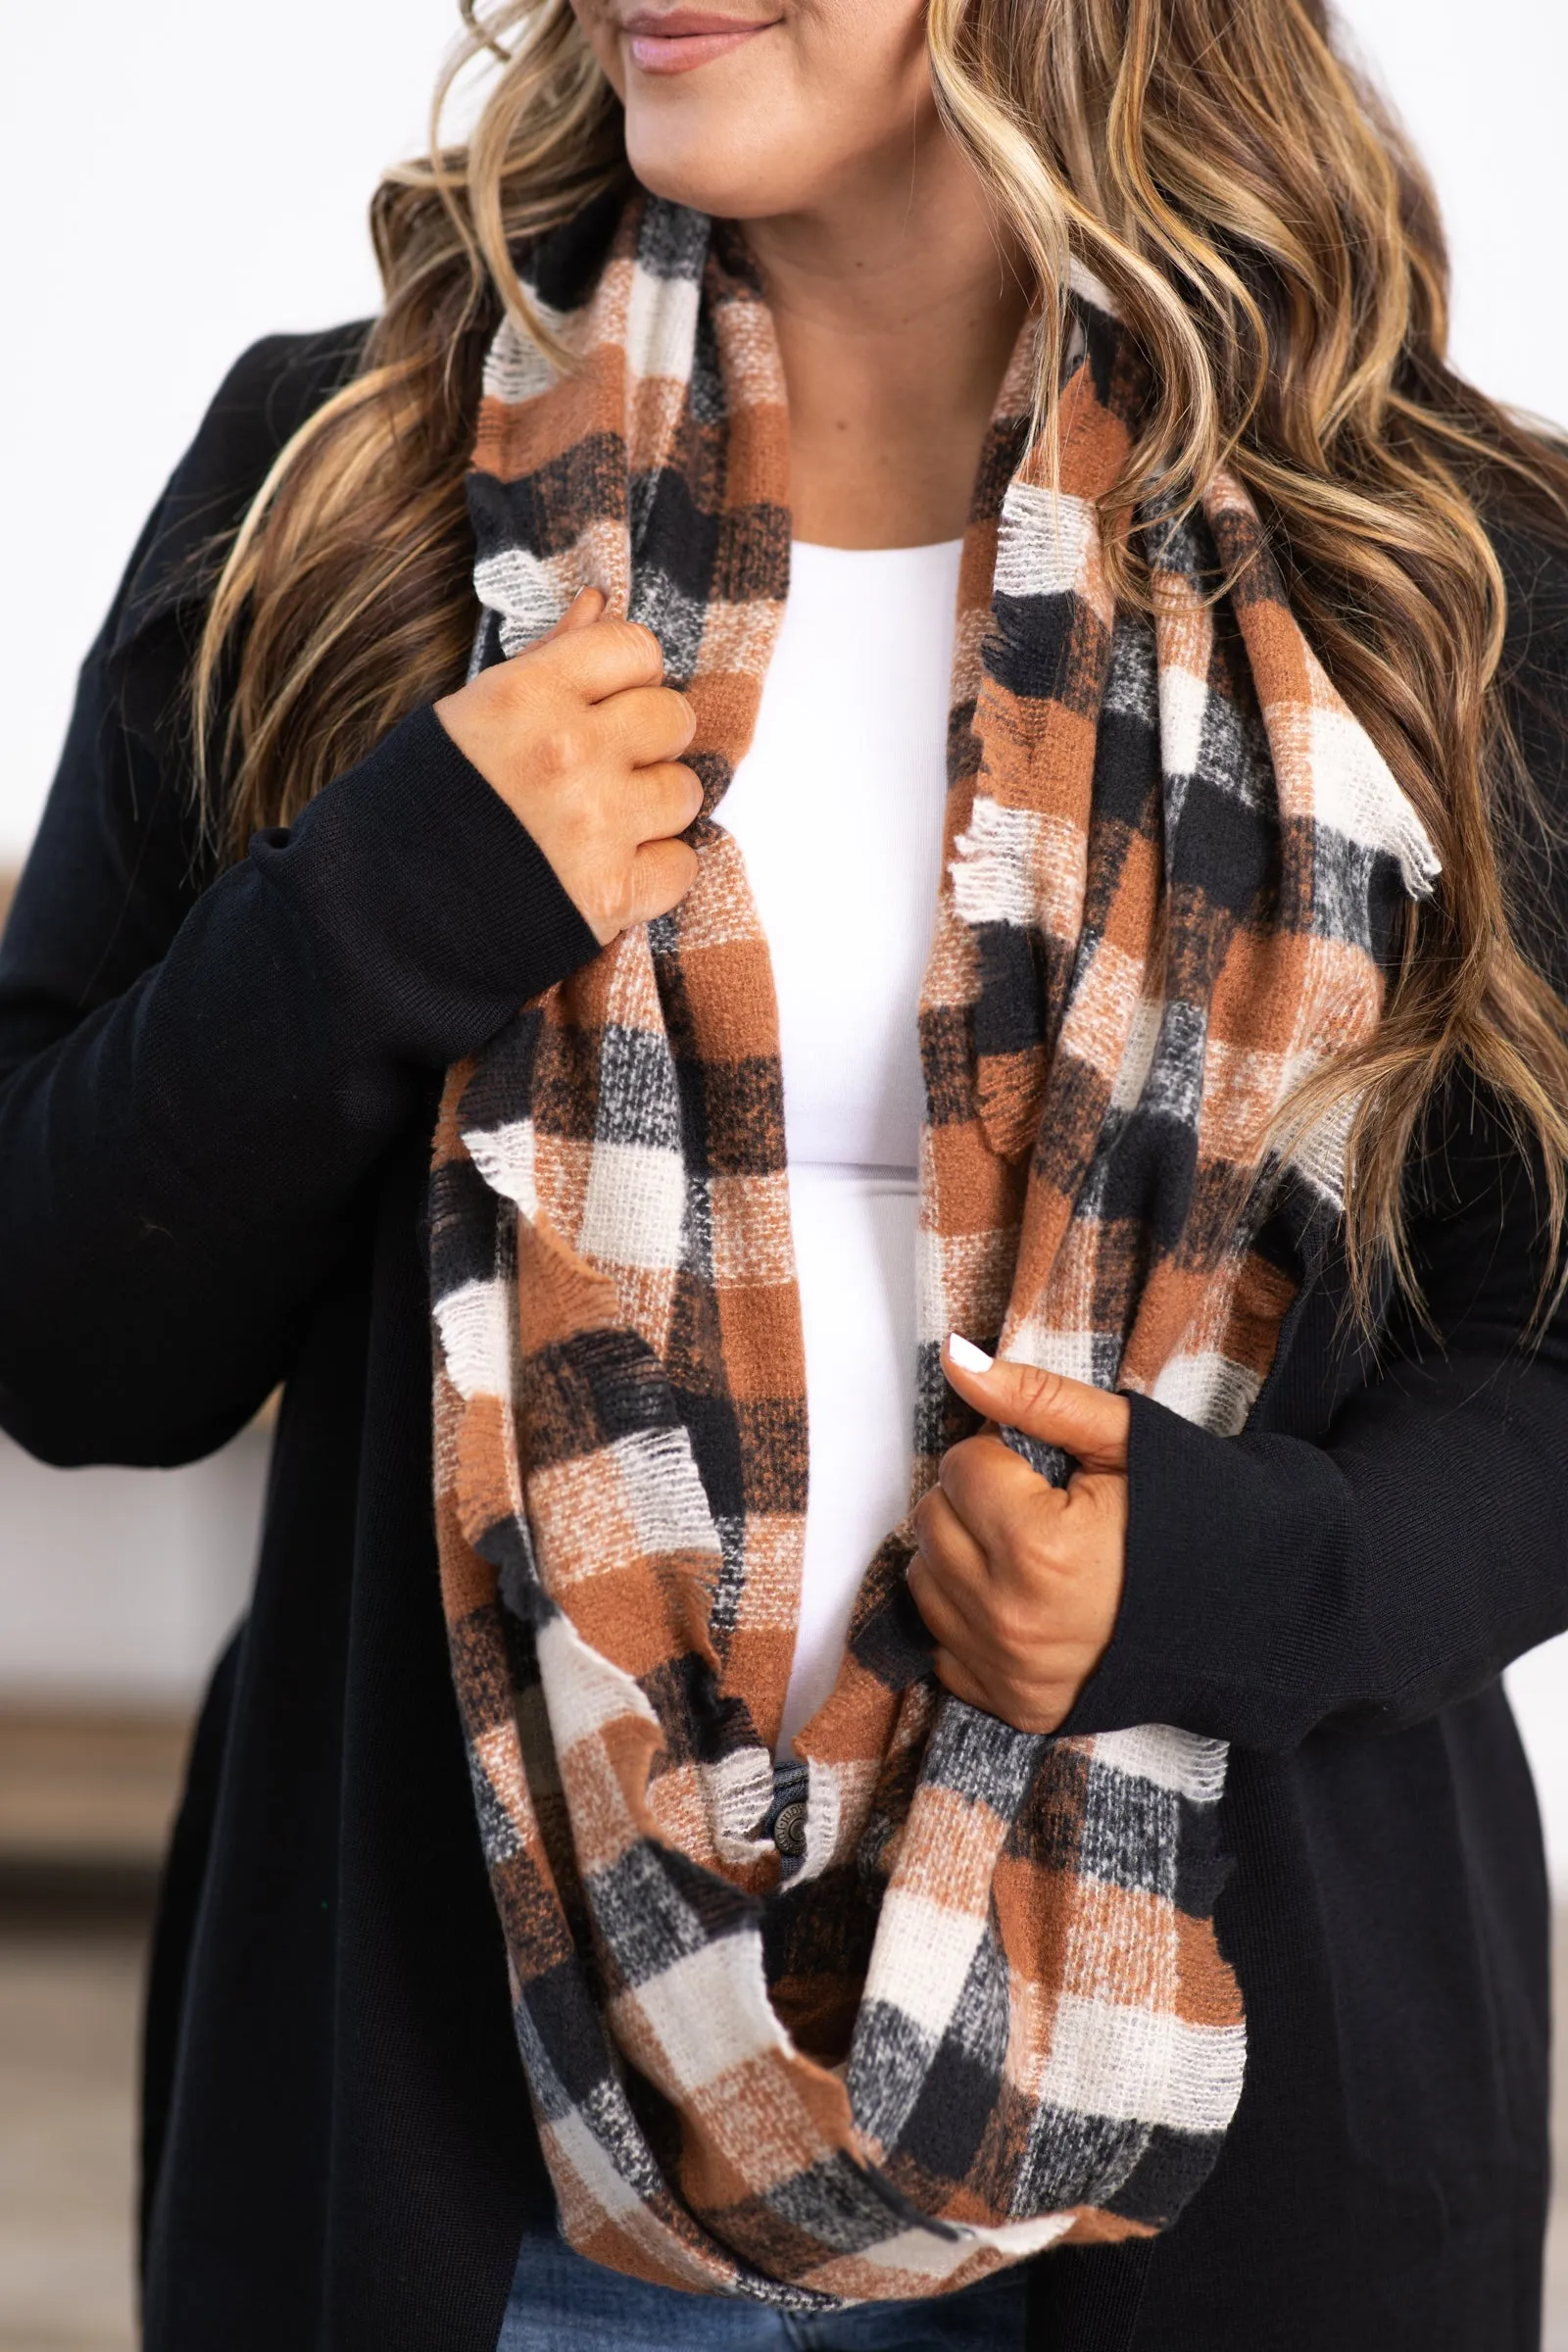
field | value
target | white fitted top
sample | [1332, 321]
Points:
[838, 809]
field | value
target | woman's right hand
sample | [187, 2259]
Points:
[582, 740]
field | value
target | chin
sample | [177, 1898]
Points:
[706, 164]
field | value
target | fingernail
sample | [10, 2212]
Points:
[966, 1355]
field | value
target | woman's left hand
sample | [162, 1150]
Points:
[1019, 1581]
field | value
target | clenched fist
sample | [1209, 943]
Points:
[1019, 1580]
[582, 740]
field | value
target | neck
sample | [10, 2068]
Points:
[896, 304]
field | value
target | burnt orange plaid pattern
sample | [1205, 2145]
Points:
[983, 2013]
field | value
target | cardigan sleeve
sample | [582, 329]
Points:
[197, 1082]
[1419, 1543]
[1401, 1561]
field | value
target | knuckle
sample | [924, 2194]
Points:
[674, 802]
[1010, 1629]
[962, 1470]
[640, 645]
[679, 865]
[1037, 1554]
[561, 749]
[664, 876]
[1038, 1388]
[950, 1468]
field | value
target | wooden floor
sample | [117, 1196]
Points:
[85, 1802]
[88, 1790]
[67, 2032]
[82, 1821]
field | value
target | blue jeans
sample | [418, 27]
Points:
[560, 2302]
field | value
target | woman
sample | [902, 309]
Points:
[1094, 352]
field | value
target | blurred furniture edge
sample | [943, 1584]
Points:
[88, 1795]
[87, 1783]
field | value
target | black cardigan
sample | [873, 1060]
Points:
[216, 1099]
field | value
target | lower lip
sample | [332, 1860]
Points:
[654, 53]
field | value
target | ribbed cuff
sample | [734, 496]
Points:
[432, 910]
[1229, 1542]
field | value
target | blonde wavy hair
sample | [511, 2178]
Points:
[1275, 248]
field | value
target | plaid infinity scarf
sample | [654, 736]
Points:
[984, 2010]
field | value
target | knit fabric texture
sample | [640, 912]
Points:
[982, 2010]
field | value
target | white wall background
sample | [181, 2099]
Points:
[120, 1587]
[183, 179]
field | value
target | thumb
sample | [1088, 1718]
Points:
[1089, 1424]
[585, 608]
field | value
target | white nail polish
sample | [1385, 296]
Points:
[966, 1355]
